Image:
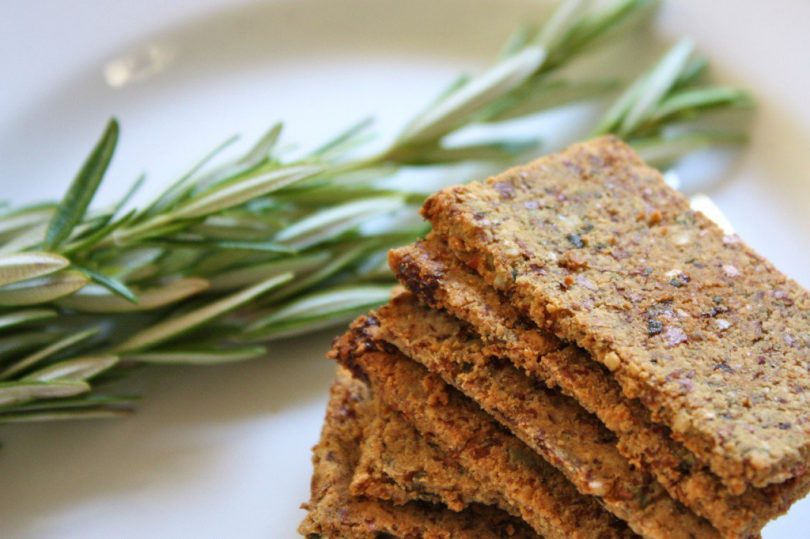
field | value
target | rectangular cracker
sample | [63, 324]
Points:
[398, 464]
[593, 245]
[440, 280]
[553, 425]
[464, 432]
[333, 513]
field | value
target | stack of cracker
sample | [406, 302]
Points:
[575, 353]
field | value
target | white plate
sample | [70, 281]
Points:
[224, 451]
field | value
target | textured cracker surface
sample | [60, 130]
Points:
[543, 496]
[440, 280]
[593, 245]
[398, 464]
[333, 513]
[550, 423]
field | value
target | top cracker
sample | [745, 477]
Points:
[592, 244]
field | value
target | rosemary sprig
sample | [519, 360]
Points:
[658, 112]
[263, 247]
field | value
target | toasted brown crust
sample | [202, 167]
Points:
[464, 294]
[593, 245]
[550, 423]
[398, 464]
[332, 512]
[448, 420]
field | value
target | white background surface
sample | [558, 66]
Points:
[224, 451]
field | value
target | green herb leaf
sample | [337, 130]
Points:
[656, 85]
[64, 415]
[344, 139]
[21, 342]
[88, 241]
[173, 327]
[73, 206]
[340, 261]
[558, 26]
[22, 266]
[80, 368]
[239, 192]
[261, 246]
[110, 283]
[42, 289]
[263, 149]
[14, 393]
[455, 108]
[183, 185]
[300, 265]
[495, 151]
[24, 219]
[518, 40]
[596, 26]
[332, 222]
[532, 99]
[127, 264]
[133, 189]
[21, 317]
[50, 350]
[84, 401]
[258, 155]
[199, 356]
[701, 99]
[96, 299]
[456, 84]
[318, 310]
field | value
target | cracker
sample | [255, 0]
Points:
[464, 432]
[443, 282]
[553, 425]
[333, 512]
[715, 341]
[398, 464]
